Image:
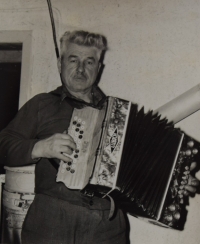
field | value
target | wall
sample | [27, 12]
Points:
[153, 57]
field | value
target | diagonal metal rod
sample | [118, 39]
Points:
[53, 28]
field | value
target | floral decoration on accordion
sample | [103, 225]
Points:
[174, 209]
[111, 152]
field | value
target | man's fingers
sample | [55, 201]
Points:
[192, 181]
[190, 188]
[66, 137]
[67, 143]
[66, 149]
[64, 157]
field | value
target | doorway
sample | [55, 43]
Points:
[10, 74]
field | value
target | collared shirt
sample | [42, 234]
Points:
[41, 117]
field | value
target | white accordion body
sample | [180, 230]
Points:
[99, 144]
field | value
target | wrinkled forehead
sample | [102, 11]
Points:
[82, 52]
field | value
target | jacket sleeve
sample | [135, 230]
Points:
[19, 137]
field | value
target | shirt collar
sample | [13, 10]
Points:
[98, 97]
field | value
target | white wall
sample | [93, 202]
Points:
[153, 57]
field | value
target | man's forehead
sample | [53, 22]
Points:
[73, 49]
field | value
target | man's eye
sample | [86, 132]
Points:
[73, 61]
[90, 62]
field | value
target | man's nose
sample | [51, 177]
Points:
[81, 67]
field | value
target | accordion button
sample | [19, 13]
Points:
[69, 163]
[75, 117]
[77, 129]
[195, 151]
[80, 137]
[76, 151]
[81, 132]
[64, 166]
[79, 120]
[74, 122]
[172, 207]
[72, 171]
[190, 143]
[78, 125]
[177, 215]
[76, 156]
[169, 218]
[68, 168]
[188, 152]
[183, 182]
[82, 127]
[83, 122]
[180, 192]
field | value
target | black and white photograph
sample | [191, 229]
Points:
[99, 122]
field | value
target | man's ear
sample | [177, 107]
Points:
[59, 65]
[99, 66]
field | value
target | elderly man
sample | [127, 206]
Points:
[38, 135]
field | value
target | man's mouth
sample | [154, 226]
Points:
[79, 77]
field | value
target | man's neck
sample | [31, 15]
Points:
[85, 96]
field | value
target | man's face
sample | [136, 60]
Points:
[79, 67]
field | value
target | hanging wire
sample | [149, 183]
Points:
[53, 28]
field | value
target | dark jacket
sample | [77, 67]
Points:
[41, 117]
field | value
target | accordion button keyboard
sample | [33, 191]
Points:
[82, 131]
[77, 133]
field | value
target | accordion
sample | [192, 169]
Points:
[140, 160]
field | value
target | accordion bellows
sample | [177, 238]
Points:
[135, 157]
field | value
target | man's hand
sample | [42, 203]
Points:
[56, 146]
[192, 182]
